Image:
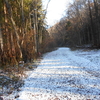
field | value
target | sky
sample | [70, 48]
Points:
[56, 10]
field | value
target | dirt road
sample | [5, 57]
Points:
[64, 75]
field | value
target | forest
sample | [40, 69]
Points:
[22, 31]
[24, 35]
[80, 26]
[24, 38]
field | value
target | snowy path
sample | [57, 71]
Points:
[64, 75]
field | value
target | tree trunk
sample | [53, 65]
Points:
[97, 21]
[13, 25]
[1, 39]
[91, 23]
[23, 23]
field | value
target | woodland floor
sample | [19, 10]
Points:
[64, 74]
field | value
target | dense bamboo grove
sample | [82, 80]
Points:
[21, 30]
[81, 25]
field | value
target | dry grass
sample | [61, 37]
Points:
[11, 78]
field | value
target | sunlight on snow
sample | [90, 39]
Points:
[51, 60]
[63, 74]
[52, 63]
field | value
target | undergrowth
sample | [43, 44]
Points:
[11, 78]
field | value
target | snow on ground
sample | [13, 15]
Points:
[65, 75]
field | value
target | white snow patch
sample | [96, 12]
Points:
[63, 75]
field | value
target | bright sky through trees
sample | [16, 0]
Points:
[56, 9]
